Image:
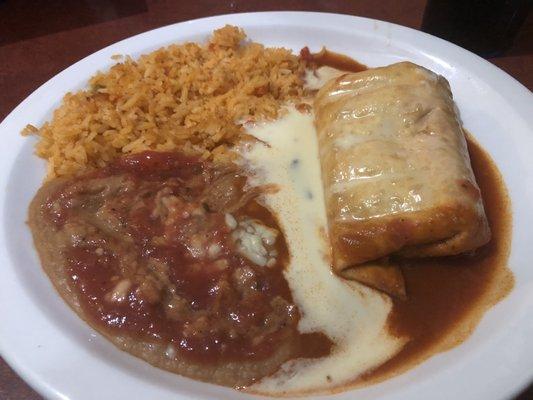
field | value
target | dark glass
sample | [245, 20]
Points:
[486, 27]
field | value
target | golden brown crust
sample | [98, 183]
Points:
[380, 275]
[438, 232]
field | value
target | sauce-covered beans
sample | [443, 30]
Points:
[167, 248]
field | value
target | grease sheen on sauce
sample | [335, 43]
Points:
[331, 59]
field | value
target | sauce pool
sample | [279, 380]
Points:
[331, 59]
[446, 297]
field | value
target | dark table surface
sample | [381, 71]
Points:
[39, 38]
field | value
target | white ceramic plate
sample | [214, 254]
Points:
[62, 358]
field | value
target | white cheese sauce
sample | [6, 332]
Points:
[353, 316]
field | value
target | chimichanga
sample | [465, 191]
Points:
[396, 171]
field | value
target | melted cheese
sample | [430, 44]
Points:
[353, 316]
[252, 239]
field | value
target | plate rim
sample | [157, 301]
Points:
[10, 357]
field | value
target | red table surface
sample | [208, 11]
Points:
[38, 39]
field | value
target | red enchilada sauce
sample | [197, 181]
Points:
[331, 59]
[158, 252]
